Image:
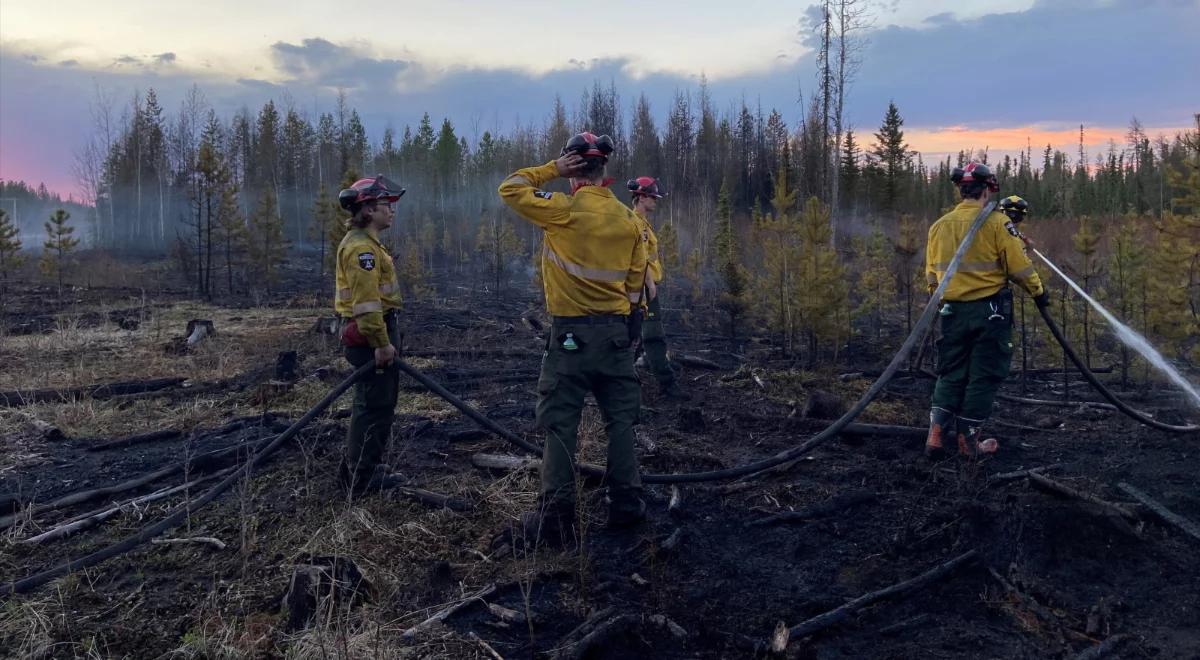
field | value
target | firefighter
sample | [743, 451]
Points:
[975, 349]
[646, 192]
[368, 300]
[593, 269]
[1017, 209]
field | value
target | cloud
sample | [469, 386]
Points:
[1047, 67]
[324, 64]
[165, 58]
[69, 63]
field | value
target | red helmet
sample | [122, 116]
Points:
[975, 173]
[645, 185]
[589, 145]
[369, 190]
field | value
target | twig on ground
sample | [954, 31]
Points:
[1062, 489]
[1021, 474]
[449, 611]
[901, 626]
[842, 613]
[486, 647]
[1170, 517]
[833, 505]
[208, 540]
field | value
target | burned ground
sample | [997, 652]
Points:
[1054, 576]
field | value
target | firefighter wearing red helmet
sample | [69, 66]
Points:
[593, 270]
[367, 299]
[646, 192]
[974, 353]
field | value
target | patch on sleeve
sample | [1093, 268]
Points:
[1012, 229]
[543, 194]
[366, 260]
[646, 235]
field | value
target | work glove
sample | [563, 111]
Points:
[1042, 300]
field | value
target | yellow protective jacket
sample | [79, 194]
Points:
[995, 256]
[653, 263]
[366, 284]
[593, 258]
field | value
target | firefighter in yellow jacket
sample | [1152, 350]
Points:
[593, 268]
[646, 192]
[367, 300]
[975, 350]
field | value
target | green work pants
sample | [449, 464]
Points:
[654, 342]
[974, 354]
[371, 417]
[601, 363]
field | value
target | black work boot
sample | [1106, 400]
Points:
[358, 484]
[550, 524]
[625, 508]
[941, 429]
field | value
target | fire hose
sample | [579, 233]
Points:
[918, 331]
[182, 512]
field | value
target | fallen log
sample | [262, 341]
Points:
[901, 626]
[504, 462]
[97, 391]
[1170, 517]
[447, 612]
[697, 362]
[598, 636]
[840, 614]
[1058, 404]
[93, 518]
[1062, 489]
[830, 506]
[428, 498]
[199, 463]
[584, 628]
[1021, 474]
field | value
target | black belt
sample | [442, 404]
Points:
[599, 319]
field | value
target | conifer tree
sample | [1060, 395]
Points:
[231, 233]
[341, 221]
[10, 248]
[265, 240]
[1086, 241]
[1126, 274]
[325, 215]
[823, 300]
[58, 246]
[778, 235]
[910, 277]
[497, 244]
[893, 155]
[876, 284]
[411, 274]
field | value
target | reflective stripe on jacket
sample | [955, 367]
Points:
[593, 257]
[366, 286]
[653, 262]
[996, 256]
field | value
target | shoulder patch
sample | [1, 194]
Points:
[366, 260]
[1012, 229]
[646, 235]
[543, 194]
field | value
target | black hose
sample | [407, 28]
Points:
[767, 463]
[1102, 388]
[183, 511]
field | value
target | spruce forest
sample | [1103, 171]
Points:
[195, 363]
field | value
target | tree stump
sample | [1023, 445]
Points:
[197, 331]
[326, 325]
[321, 585]
[285, 366]
[823, 405]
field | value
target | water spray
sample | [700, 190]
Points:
[1131, 337]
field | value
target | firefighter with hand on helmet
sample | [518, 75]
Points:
[646, 192]
[367, 301]
[974, 353]
[1017, 209]
[593, 270]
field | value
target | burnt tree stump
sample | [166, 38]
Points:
[321, 585]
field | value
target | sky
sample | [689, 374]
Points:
[985, 75]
